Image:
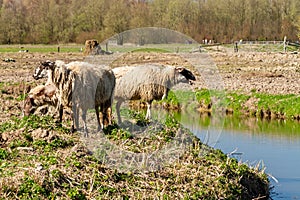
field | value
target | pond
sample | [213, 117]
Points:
[273, 145]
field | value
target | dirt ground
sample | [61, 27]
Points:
[274, 73]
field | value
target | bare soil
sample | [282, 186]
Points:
[265, 72]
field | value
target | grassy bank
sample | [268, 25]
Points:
[255, 104]
[236, 103]
[40, 160]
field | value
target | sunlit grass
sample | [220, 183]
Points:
[40, 48]
[287, 106]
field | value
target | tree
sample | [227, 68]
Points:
[117, 19]
[158, 8]
[13, 22]
[55, 21]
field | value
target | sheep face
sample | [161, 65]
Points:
[41, 71]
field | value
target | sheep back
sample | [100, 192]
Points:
[93, 86]
[147, 82]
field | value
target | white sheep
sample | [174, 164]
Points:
[149, 82]
[81, 85]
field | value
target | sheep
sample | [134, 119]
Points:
[81, 85]
[41, 99]
[148, 83]
[42, 94]
[39, 96]
[62, 78]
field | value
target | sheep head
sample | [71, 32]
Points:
[40, 95]
[41, 71]
[28, 106]
[186, 73]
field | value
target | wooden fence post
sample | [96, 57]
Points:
[284, 44]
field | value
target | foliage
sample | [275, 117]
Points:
[3, 154]
[29, 123]
[30, 189]
[49, 21]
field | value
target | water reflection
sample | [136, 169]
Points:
[275, 144]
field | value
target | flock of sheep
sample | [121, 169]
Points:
[82, 86]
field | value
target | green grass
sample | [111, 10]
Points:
[40, 48]
[161, 48]
[289, 105]
[283, 105]
[29, 123]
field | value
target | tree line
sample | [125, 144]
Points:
[74, 21]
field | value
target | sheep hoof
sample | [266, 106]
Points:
[73, 130]
[99, 129]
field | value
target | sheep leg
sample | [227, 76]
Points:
[27, 106]
[166, 91]
[61, 111]
[103, 109]
[101, 115]
[98, 118]
[83, 116]
[75, 120]
[148, 114]
[73, 129]
[118, 105]
[108, 114]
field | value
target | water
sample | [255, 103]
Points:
[274, 145]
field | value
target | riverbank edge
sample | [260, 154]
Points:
[38, 159]
[237, 103]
